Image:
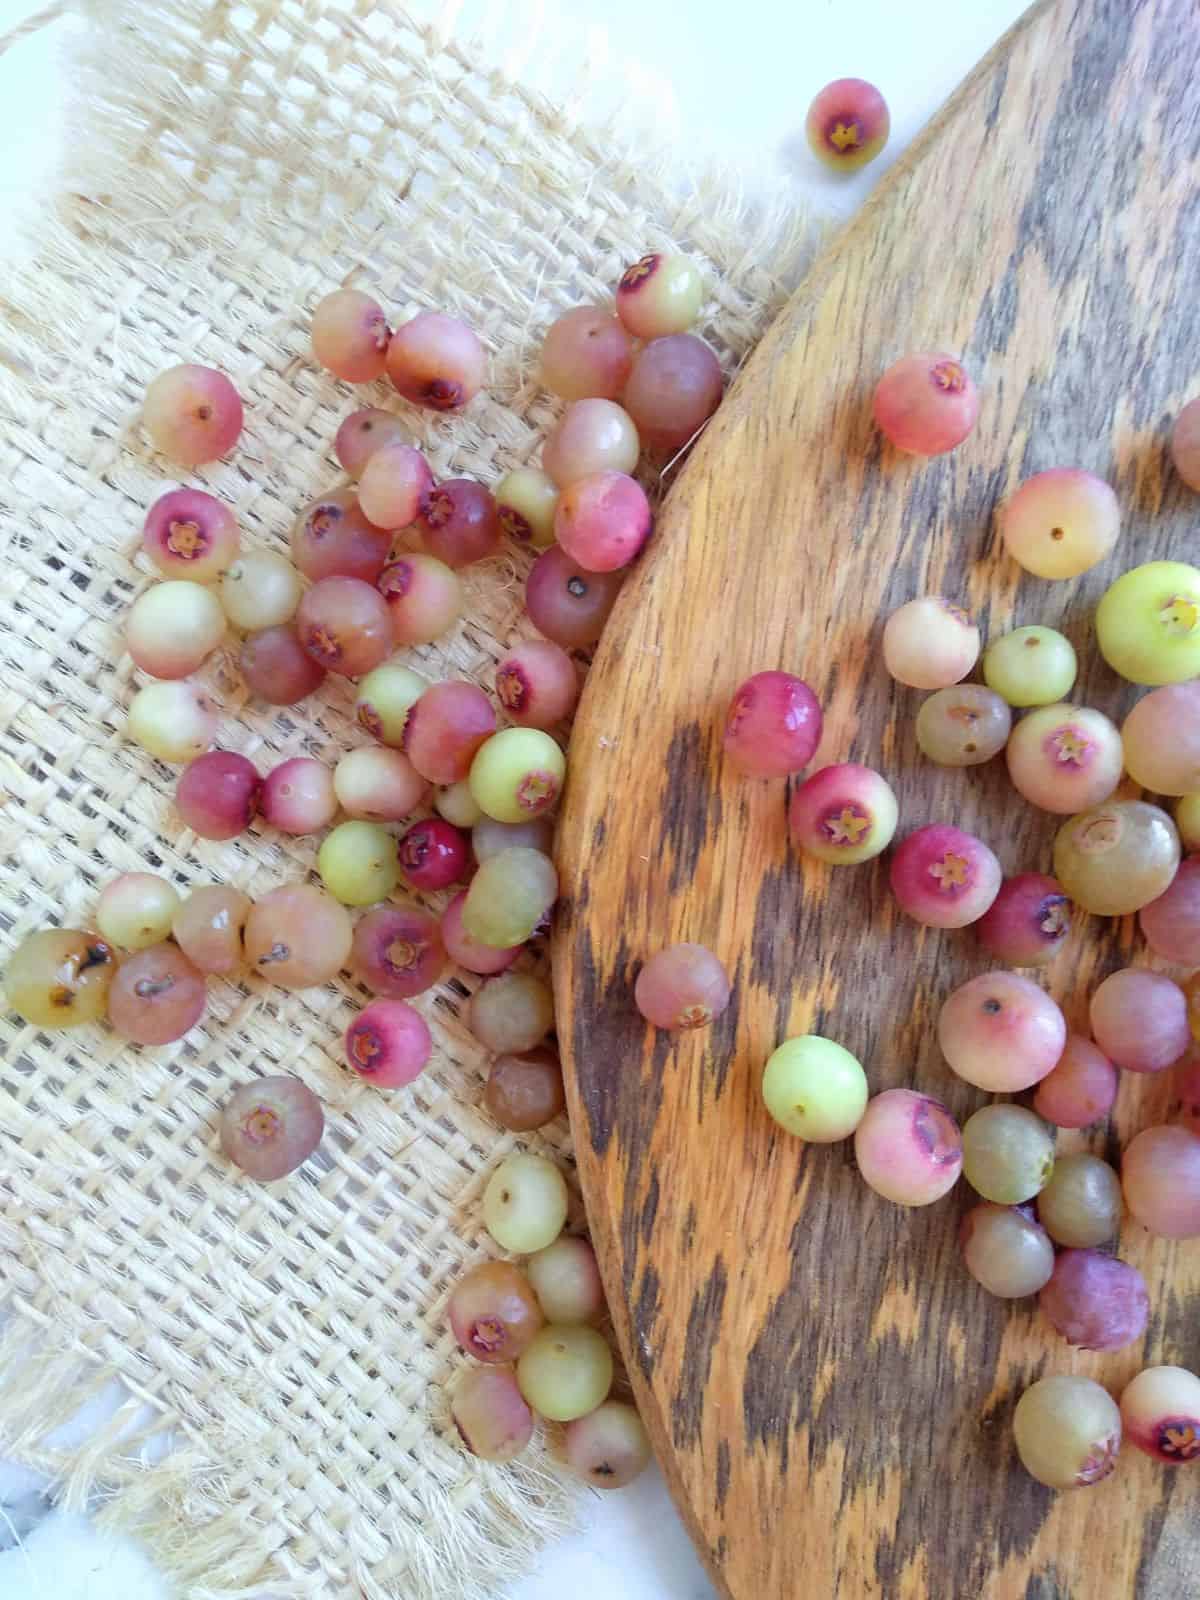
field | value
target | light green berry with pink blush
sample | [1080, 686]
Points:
[517, 774]
[384, 698]
[525, 503]
[357, 863]
[815, 1089]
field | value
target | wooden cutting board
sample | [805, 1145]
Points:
[830, 1394]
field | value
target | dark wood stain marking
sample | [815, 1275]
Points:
[649, 1209]
[645, 1319]
[1048, 1585]
[723, 1473]
[703, 1332]
[722, 1044]
[691, 805]
[606, 1037]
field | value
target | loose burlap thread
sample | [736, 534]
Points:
[229, 165]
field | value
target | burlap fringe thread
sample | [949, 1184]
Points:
[285, 1346]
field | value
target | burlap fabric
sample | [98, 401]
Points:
[231, 164]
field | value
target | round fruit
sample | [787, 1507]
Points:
[60, 977]
[843, 814]
[1002, 1033]
[848, 124]
[494, 1313]
[926, 404]
[930, 643]
[525, 1092]
[908, 1147]
[963, 726]
[815, 1089]
[156, 996]
[566, 1372]
[135, 910]
[1160, 1176]
[1030, 666]
[1005, 1251]
[1065, 758]
[1060, 523]
[609, 1448]
[1095, 1301]
[525, 1205]
[943, 877]
[1161, 1407]
[659, 294]
[1008, 1153]
[1081, 1089]
[1116, 858]
[490, 1414]
[773, 726]
[270, 1126]
[1027, 923]
[682, 987]
[1067, 1431]
[1148, 623]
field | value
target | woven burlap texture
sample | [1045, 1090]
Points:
[230, 166]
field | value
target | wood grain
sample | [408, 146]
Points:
[829, 1392]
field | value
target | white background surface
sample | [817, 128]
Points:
[728, 80]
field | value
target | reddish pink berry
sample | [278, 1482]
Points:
[156, 995]
[1140, 1020]
[926, 404]
[1027, 923]
[566, 603]
[908, 1147]
[344, 625]
[1187, 1090]
[673, 389]
[458, 522]
[602, 521]
[1095, 1301]
[437, 362]
[398, 951]
[424, 597]
[218, 794]
[433, 854]
[445, 728]
[277, 668]
[1082, 1087]
[1000, 1032]
[388, 1043]
[364, 432]
[587, 355]
[298, 796]
[333, 539]
[848, 124]
[843, 814]
[189, 534]
[537, 684]
[944, 877]
[1171, 924]
[774, 725]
